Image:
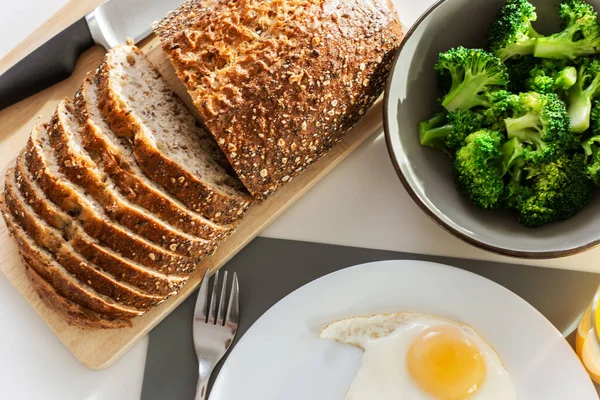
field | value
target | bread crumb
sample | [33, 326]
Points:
[152, 256]
[264, 173]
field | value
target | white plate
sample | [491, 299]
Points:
[282, 358]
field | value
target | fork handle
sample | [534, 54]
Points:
[201, 388]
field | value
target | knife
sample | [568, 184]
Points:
[108, 25]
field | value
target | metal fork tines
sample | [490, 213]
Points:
[215, 325]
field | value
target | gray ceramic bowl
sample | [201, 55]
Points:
[426, 173]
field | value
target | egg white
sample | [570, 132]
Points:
[383, 374]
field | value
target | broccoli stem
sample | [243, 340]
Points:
[512, 153]
[434, 131]
[526, 129]
[521, 127]
[435, 137]
[580, 109]
[522, 48]
[466, 95]
[566, 78]
[555, 47]
[532, 138]
[590, 148]
[580, 104]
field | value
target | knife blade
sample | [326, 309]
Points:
[107, 25]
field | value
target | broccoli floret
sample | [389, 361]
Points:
[511, 33]
[580, 35]
[582, 93]
[473, 73]
[479, 167]
[447, 131]
[551, 76]
[595, 118]
[515, 194]
[513, 163]
[498, 109]
[541, 123]
[560, 190]
[591, 147]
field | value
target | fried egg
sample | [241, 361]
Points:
[421, 357]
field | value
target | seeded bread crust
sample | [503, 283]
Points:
[118, 161]
[195, 193]
[60, 191]
[57, 276]
[85, 272]
[76, 165]
[279, 82]
[124, 270]
[72, 313]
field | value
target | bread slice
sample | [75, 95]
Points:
[168, 145]
[127, 271]
[115, 156]
[74, 314]
[75, 163]
[278, 83]
[51, 239]
[44, 168]
[57, 276]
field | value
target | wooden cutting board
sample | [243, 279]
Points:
[99, 349]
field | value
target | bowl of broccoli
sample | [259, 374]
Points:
[492, 120]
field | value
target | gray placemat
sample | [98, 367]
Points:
[270, 269]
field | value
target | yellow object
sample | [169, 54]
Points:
[446, 364]
[587, 344]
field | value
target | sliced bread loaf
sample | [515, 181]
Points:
[122, 269]
[55, 274]
[72, 313]
[115, 156]
[279, 82]
[168, 145]
[44, 168]
[85, 271]
[50, 238]
[75, 163]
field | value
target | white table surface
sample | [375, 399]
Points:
[348, 207]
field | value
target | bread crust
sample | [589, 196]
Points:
[122, 269]
[73, 263]
[279, 82]
[82, 171]
[132, 185]
[196, 194]
[72, 313]
[64, 284]
[98, 227]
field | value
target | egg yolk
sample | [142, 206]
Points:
[444, 363]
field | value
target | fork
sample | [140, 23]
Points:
[215, 325]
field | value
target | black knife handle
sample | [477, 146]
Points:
[51, 63]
